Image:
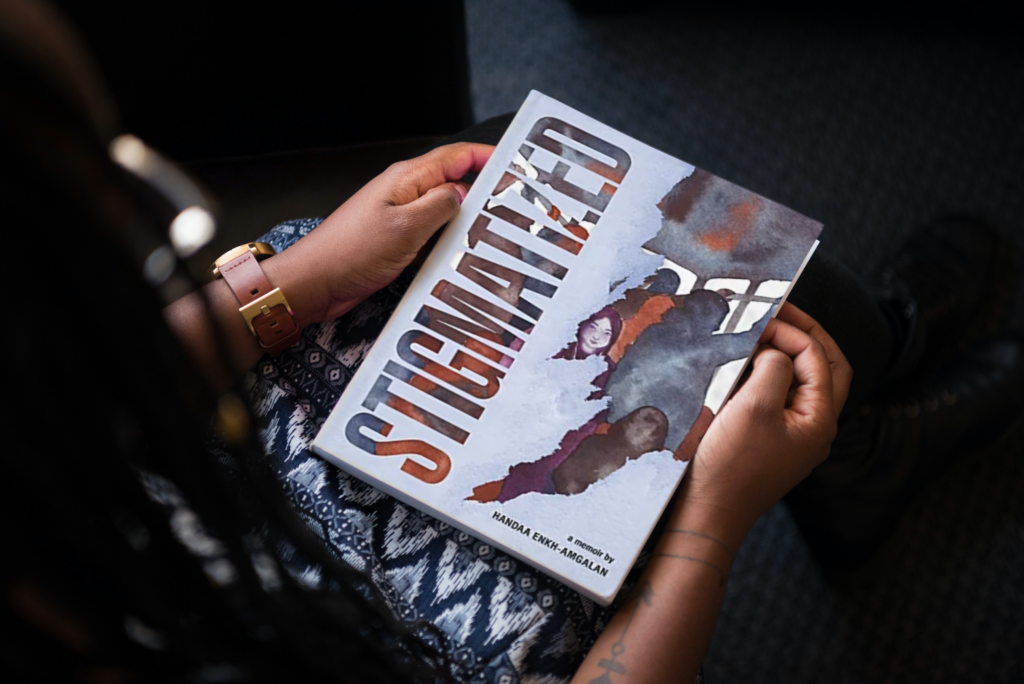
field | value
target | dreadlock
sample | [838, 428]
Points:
[106, 434]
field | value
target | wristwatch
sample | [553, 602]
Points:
[264, 307]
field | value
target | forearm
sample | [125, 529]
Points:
[766, 438]
[361, 247]
[215, 336]
[203, 329]
[662, 632]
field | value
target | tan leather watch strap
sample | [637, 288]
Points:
[264, 307]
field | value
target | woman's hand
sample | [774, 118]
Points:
[357, 250]
[776, 428]
[766, 438]
[369, 239]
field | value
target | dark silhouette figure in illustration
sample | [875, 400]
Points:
[680, 346]
[716, 230]
[666, 281]
[599, 455]
[660, 345]
[666, 336]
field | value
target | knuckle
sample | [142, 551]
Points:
[760, 410]
[451, 197]
[445, 151]
[401, 219]
[777, 359]
[768, 355]
[842, 372]
[818, 349]
[847, 372]
[828, 433]
[400, 169]
[819, 434]
[824, 428]
[830, 430]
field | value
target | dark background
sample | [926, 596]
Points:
[199, 79]
[872, 118]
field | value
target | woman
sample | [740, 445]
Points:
[132, 553]
[380, 231]
[595, 336]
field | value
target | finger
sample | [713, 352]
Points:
[448, 163]
[792, 314]
[842, 374]
[461, 158]
[770, 379]
[431, 211]
[814, 397]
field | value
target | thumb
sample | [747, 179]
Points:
[434, 208]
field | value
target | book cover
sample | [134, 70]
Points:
[548, 376]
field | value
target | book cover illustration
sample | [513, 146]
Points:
[551, 370]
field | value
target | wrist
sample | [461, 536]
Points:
[299, 286]
[719, 519]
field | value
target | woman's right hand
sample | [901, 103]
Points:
[766, 438]
[770, 435]
[361, 247]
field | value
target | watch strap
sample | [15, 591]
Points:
[264, 307]
[261, 250]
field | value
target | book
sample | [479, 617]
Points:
[547, 377]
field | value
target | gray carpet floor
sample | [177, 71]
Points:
[872, 132]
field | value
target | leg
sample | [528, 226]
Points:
[935, 410]
[832, 295]
[487, 132]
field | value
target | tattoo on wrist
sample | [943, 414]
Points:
[704, 536]
[644, 594]
[722, 574]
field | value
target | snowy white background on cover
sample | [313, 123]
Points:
[535, 407]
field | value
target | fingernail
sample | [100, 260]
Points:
[462, 192]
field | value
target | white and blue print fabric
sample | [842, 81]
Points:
[503, 620]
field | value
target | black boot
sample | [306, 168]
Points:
[885, 454]
[948, 287]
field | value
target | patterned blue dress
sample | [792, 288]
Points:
[503, 620]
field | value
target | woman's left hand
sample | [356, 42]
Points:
[776, 428]
[372, 237]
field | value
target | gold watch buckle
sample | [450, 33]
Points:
[262, 307]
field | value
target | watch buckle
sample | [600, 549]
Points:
[262, 307]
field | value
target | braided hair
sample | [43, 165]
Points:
[125, 554]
